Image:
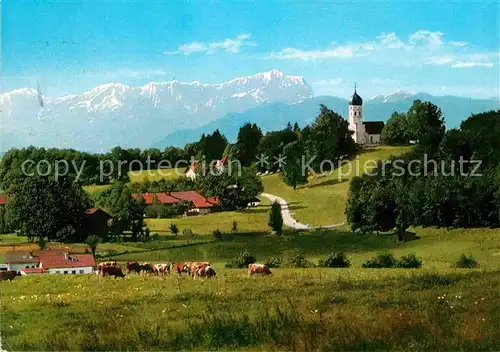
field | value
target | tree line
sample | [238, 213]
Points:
[450, 179]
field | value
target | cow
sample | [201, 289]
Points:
[110, 263]
[194, 266]
[205, 271]
[112, 271]
[8, 275]
[181, 267]
[133, 266]
[258, 269]
[147, 268]
[162, 269]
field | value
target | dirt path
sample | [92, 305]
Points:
[288, 220]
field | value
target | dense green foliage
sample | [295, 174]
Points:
[40, 207]
[128, 213]
[234, 188]
[451, 180]
[396, 130]
[466, 262]
[247, 144]
[293, 175]
[335, 260]
[275, 218]
[387, 260]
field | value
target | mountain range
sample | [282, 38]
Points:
[174, 113]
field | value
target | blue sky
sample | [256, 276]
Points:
[440, 47]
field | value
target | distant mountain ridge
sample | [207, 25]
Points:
[175, 113]
[275, 116]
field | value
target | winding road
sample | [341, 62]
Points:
[287, 217]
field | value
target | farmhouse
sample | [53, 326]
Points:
[96, 222]
[50, 262]
[366, 133]
[199, 203]
[21, 260]
[190, 171]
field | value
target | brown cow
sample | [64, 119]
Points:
[258, 269]
[162, 268]
[205, 271]
[181, 267]
[110, 263]
[8, 275]
[112, 271]
[133, 266]
[193, 268]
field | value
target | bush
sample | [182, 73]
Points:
[381, 261]
[297, 261]
[335, 260]
[235, 226]
[409, 261]
[241, 261]
[466, 262]
[273, 262]
[188, 232]
[174, 229]
[218, 235]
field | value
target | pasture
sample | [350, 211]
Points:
[156, 174]
[294, 309]
[322, 201]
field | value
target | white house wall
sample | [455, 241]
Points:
[86, 270]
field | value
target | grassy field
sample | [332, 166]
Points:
[436, 307]
[250, 220]
[156, 174]
[322, 201]
[294, 310]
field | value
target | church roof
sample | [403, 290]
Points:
[374, 127]
[355, 99]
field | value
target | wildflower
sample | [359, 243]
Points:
[482, 298]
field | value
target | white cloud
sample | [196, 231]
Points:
[228, 45]
[459, 44]
[461, 64]
[390, 40]
[439, 60]
[329, 82]
[432, 39]
[422, 47]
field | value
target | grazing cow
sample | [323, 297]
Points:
[162, 269]
[110, 263]
[147, 268]
[205, 271]
[258, 269]
[8, 275]
[195, 266]
[181, 267]
[112, 271]
[133, 266]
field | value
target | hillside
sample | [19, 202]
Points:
[322, 201]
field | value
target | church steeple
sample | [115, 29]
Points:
[355, 99]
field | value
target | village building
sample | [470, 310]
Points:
[49, 261]
[366, 133]
[96, 222]
[199, 203]
[21, 260]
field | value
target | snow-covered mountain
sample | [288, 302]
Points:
[115, 114]
[392, 97]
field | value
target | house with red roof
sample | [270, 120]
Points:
[190, 171]
[67, 263]
[49, 262]
[199, 203]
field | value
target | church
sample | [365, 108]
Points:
[365, 133]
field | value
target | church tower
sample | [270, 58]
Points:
[356, 118]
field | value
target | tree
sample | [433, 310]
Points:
[275, 218]
[128, 213]
[41, 207]
[92, 242]
[426, 125]
[174, 229]
[329, 138]
[247, 143]
[212, 146]
[396, 130]
[234, 190]
[271, 146]
[292, 169]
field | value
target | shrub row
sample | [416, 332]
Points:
[389, 261]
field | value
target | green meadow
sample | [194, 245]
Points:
[436, 307]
